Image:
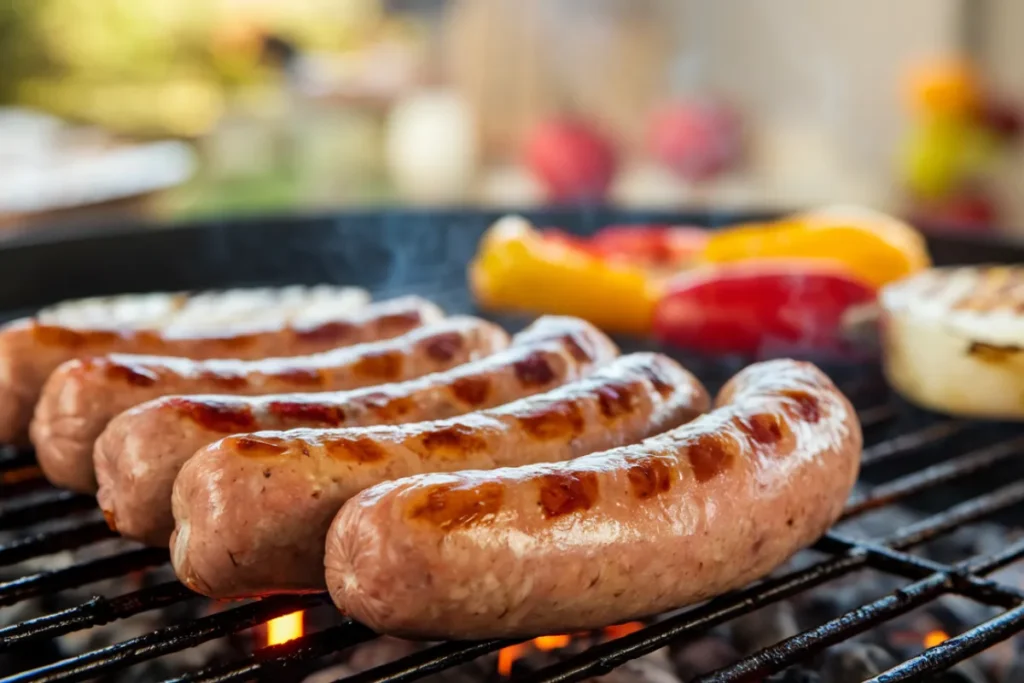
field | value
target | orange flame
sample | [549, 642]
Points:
[283, 629]
[933, 638]
[507, 656]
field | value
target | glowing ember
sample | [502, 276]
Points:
[619, 630]
[508, 656]
[283, 629]
[933, 638]
[545, 643]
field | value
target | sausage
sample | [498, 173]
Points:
[291, 321]
[141, 450]
[612, 536]
[252, 511]
[82, 396]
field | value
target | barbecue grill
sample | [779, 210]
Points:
[955, 472]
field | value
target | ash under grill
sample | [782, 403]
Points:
[928, 543]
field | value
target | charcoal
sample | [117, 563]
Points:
[795, 674]
[964, 672]
[764, 628]
[700, 656]
[854, 662]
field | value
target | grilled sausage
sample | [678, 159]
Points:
[252, 511]
[82, 396]
[609, 537]
[141, 450]
[240, 323]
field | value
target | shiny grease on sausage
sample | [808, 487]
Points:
[82, 396]
[609, 537]
[141, 451]
[252, 510]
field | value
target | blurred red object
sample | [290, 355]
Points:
[697, 140]
[755, 309]
[1002, 118]
[968, 210]
[654, 246]
[572, 160]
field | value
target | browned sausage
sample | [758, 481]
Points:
[609, 537]
[141, 450]
[252, 511]
[82, 396]
[292, 321]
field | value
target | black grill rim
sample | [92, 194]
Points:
[215, 243]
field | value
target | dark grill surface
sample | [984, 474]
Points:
[953, 472]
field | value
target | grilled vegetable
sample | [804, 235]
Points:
[518, 269]
[953, 340]
[761, 309]
[873, 247]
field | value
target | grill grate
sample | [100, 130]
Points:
[911, 459]
[924, 437]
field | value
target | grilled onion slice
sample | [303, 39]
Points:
[953, 340]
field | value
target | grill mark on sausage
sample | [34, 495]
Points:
[649, 476]
[330, 331]
[534, 370]
[658, 380]
[764, 428]
[559, 421]
[304, 376]
[225, 380]
[710, 455]
[361, 449]
[576, 350]
[388, 407]
[384, 365]
[443, 347]
[454, 441]
[616, 400]
[215, 417]
[135, 375]
[563, 493]
[399, 321]
[307, 412]
[471, 390]
[806, 408]
[253, 447]
[449, 508]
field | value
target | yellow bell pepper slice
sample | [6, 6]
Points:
[516, 269]
[871, 246]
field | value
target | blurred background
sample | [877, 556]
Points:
[155, 110]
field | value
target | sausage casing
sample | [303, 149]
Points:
[609, 537]
[252, 511]
[82, 396]
[141, 451]
[238, 323]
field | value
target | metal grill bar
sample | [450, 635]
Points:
[956, 649]
[15, 458]
[166, 640]
[59, 505]
[430, 661]
[53, 542]
[34, 585]
[797, 648]
[962, 466]
[95, 612]
[277, 659]
[905, 444]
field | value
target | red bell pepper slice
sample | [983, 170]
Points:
[643, 245]
[655, 245]
[761, 309]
